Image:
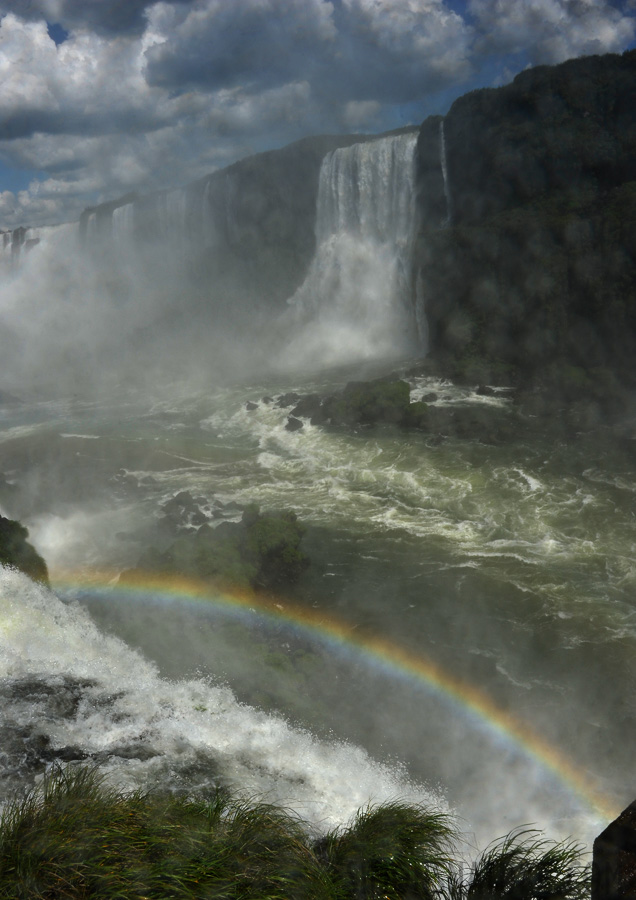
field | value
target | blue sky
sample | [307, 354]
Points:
[101, 97]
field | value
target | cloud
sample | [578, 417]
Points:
[103, 17]
[551, 31]
[361, 113]
[397, 48]
[221, 45]
[87, 85]
[347, 50]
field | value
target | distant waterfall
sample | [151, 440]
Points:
[123, 225]
[16, 245]
[442, 155]
[357, 298]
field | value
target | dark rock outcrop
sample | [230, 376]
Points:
[378, 402]
[293, 424]
[568, 129]
[16, 551]
[263, 551]
[387, 402]
[614, 859]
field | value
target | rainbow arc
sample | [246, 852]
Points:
[339, 635]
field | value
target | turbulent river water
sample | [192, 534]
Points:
[465, 634]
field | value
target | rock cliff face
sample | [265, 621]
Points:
[532, 270]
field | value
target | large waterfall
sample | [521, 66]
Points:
[356, 301]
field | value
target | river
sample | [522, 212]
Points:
[465, 634]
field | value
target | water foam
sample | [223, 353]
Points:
[145, 729]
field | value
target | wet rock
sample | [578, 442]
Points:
[63, 754]
[250, 406]
[293, 424]
[287, 399]
[378, 402]
[263, 550]
[310, 407]
[125, 479]
[133, 751]
[614, 859]
[184, 511]
[387, 402]
[16, 551]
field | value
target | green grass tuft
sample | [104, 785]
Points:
[524, 866]
[74, 838]
[390, 851]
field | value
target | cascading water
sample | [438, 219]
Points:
[64, 684]
[444, 164]
[356, 301]
[123, 225]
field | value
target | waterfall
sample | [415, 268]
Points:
[442, 154]
[356, 301]
[16, 246]
[123, 225]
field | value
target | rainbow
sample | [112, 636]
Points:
[341, 636]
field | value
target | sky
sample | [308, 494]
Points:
[102, 97]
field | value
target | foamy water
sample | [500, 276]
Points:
[147, 731]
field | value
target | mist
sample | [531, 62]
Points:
[82, 318]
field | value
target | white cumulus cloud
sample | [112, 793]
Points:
[551, 31]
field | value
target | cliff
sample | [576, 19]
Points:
[533, 279]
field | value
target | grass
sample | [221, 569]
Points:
[73, 838]
[390, 851]
[524, 866]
